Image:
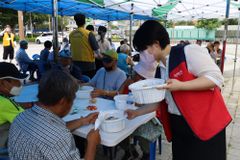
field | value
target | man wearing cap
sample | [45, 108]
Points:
[109, 78]
[8, 43]
[25, 63]
[65, 60]
[10, 85]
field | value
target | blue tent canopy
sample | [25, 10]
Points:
[69, 8]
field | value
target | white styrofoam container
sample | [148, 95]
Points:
[121, 101]
[84, 92]
[116, 125]
[146, 91]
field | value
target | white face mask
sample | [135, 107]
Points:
[147, 65]
[148, 59]
[15, 91]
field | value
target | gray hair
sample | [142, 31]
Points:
[124, 48]
[55, 85]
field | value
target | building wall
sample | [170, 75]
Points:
[191, 34]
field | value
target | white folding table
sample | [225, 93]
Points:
[107, 139]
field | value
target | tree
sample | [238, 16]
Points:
[184, 23]
[62, 22]
[232, 21]
[209, 24]
[41, 21]
[166, 23]
[8, 17]
[36, 17]
[38, 20]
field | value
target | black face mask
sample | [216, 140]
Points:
[108, 69]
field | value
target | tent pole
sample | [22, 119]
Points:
[108, 29]
[225, 34]
[31, 25]
[55, 27]
[130, 29]
[62, 26]
[130, 37]
[235, 58]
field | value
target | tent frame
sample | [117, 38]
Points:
[55, 27]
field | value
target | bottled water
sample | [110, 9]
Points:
[130, 99]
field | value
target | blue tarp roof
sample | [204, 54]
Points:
[69, 8]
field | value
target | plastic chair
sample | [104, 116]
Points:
[152, 151]
[36, 57]
[3, 153]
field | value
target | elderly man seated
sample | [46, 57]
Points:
[65, 64]
[40, 133]
[10, 85]
[65, 61]
[25, 63]
[124, 59]
[109, 78]
[46, 51]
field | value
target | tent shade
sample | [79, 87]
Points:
[69, 8]
[161, 12]
[175, 10]
[97, 2]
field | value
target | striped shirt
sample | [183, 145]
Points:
[39, 134]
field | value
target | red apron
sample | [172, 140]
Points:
[204, 111]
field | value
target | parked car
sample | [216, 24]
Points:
[47, 37]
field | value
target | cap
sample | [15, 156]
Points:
[27, 94]
[23, 43]
[65, 53]
[9, 70]
[111, 53]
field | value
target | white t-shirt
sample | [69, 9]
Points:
[103, 46]
[199, 64]
[110, 81]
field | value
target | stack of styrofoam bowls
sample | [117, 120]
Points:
[121, 101]
[146, 91]
[115, 125]
[84, 92]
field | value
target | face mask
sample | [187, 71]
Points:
[15, 91]
[148, 59]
